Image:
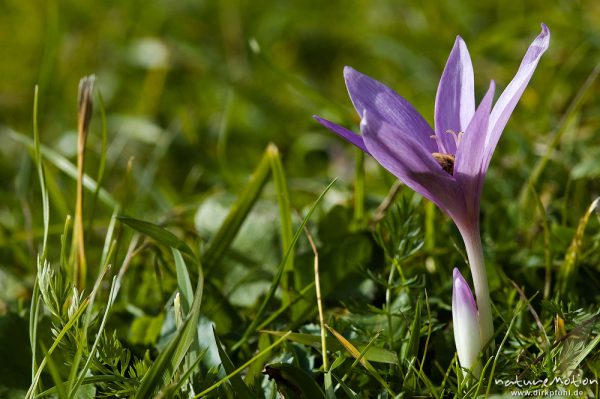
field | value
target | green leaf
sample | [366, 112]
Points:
[357, 355]
[160, 234]
[183, 281]
[412, 346]
[237, 383]
[294, 381]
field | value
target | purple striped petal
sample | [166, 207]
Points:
[465, 321]
[511, 95]
[381, 102]
[401, 154]
[455, 99]
[470, 153]
[349, 135]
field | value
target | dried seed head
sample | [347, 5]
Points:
[84, 102]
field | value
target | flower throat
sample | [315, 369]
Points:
[446, 160]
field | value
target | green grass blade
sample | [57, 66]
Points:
[372, 353]
[223, 238]
[568, 268]
[65, 166]
[359, 187]
[183, 281]
[160, 234]
[285, 215]
[364, 362]
[102, 165]
[236, 381]
[412, 346]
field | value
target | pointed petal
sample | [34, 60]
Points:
[511, 95]
[401, 154]
[383, 103]
[455, 99]
[343, 132]
[465, 322]
[470, 153]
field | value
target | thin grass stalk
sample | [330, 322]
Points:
[102, 165]
[359, 187]
[319, 301]
[36, 295]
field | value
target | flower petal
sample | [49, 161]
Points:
[511, 95]
[465, 322]
[343, 132]
[455, 99]
[401, 154]
[383, 103]
[470, 153]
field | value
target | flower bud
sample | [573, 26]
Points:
[466, 324]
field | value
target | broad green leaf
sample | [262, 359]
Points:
[294, 381]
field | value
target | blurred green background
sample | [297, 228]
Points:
[217, 80]
[195, 90]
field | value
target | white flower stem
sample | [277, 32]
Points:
[472, 241]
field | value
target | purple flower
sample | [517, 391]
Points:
[447, 165]
[466, 324]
